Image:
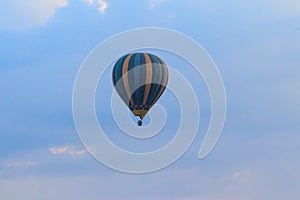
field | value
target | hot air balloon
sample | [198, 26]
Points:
[140, 79]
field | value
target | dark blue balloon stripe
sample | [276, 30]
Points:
[158, 75]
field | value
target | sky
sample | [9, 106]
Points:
[256, 46]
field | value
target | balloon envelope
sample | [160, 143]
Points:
[140, 79]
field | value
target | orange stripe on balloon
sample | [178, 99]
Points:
[125, 78]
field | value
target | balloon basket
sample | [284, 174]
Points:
[140, 123]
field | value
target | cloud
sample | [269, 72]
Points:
[91, 2]
[69, 150]
[16, 15]
[288, 8]
[241, 178]
[19, 164]
[58, 150]
[102, 6]
[264, 9]
[155, 3]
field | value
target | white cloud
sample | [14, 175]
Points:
[91, 2]
[155, 3]
[38, 157]
[16, 15]
[19, 164]
[102, 6]
[279, 9]
[270, 9]
[77, 152]
[242, 176]
[58, 150]
[69, 150]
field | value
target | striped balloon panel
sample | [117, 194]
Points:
[147, 68]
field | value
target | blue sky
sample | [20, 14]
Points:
[256, 46]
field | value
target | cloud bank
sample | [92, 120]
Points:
[69, 150]
[100, 4]
[18, 15]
